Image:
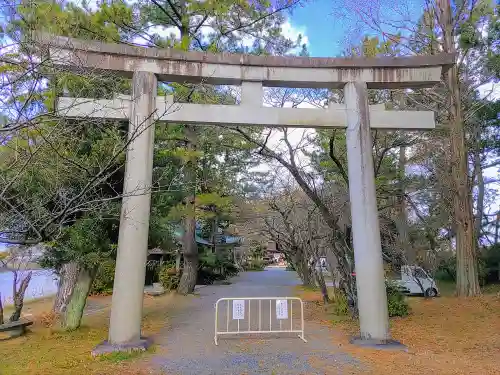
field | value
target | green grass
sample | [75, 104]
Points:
[44, 351]
[30, 306]
[309, 287]
[491, 289]
[447, 288]
[124, 356]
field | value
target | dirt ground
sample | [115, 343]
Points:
[187, 346]
[445, 335]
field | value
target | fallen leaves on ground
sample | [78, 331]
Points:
[444, 336]
[47, 351]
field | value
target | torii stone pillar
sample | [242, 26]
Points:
[128, 288]
[355, 75]
[370, 283]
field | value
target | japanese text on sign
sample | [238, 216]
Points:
[239, 309]
[281, 309]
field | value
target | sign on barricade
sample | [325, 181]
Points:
[259, 315]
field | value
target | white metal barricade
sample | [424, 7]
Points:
[248, 315]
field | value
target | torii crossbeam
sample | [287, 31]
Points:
[250, 112]
[143, 108]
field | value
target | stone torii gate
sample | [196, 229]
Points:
[143, 108]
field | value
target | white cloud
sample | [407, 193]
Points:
[171, 32]
[287, 29]
[293, 32]
[490, 91]
[91, 4]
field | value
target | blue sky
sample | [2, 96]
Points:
[328, 27]
[325, 36]
[328, 32]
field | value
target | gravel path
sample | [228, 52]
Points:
[187, 348]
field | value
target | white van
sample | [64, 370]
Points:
[414, 280]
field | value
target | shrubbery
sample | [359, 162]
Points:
[103, 282]
[396, 301]
[488, 266]
[213, 268]
[230, 269]
[340, 305]
[168, 277]
[254, 265]
[207, 276]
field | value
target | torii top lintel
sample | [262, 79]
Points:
[231, 69]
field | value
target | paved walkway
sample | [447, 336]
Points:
[187, 348]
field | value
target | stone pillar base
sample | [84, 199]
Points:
[107, 348]
[378, 344]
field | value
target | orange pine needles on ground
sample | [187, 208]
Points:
[445, 335]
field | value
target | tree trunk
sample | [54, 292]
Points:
[320, 280]
[214, 238]
[402, 216]
[347, 282]
[187, 282]
[306, 272]
[467, 272]
[333, 267]
[302, 268]
[297, 265]
[480, 193]
[466, 246]
[178, 256]
[308, 277]
[497, 227]
[189, 276]
[1, 310]
[74, 309]
[68, 276]
[308, 280]
[19, 295]
[402, 219]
